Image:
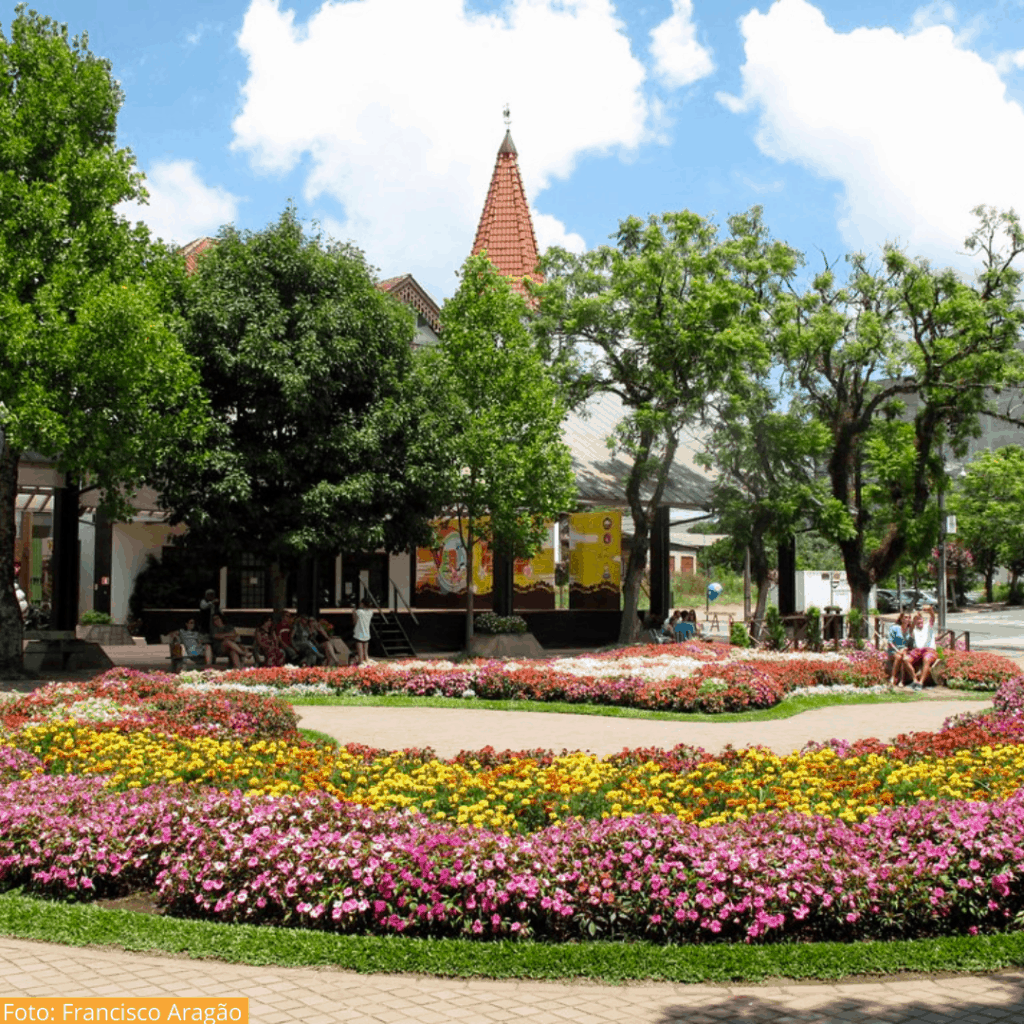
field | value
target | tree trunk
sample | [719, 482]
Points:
[629, 628]
[11, 626]
[989, 574]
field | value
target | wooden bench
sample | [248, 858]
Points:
[245, 634]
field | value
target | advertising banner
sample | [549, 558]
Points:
[533, 579]
[441, 571]
[595, 559]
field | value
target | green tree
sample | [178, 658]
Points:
[989, 505]
[320, 443]
[667, 317]
[91, 371]
[766, 486]
[509, 474]
[903, 342]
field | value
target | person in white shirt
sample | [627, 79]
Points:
[922, 653]
[361, 617]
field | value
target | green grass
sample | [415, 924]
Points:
[787, 709]
[86, 925]
[315, 736]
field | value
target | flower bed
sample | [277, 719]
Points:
[311, 861]
[128, 700]
[688, 678]
[918, 837]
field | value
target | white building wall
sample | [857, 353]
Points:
[400, 573]
[131, 543]
[822, 589]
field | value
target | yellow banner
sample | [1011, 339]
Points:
[595, 551]
[442, 570]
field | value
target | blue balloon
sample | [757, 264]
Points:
[714, 589]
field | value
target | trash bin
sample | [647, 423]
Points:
[832, 628]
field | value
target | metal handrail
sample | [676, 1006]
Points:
[367, 592]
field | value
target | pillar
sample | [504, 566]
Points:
[65, 557]
[503, 594]
[787, 576]
[102, 563]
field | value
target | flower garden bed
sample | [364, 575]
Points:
[152, 786]
[687, 678]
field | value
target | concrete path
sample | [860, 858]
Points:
[450, 730]
[323, 996]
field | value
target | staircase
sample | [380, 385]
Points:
[387, 629]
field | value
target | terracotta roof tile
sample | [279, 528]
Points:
[194, 249]
[505, 233]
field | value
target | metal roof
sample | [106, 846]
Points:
[601, 476]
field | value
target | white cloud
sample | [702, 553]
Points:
[678, 58]
[181, 206]
[939, 12]
[551, 231]
[918, 129]
[396, 105]
[1009, 60]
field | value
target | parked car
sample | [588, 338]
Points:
[919, 598]
[886, 600]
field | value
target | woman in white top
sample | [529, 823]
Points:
[922, 643]
[361, 617]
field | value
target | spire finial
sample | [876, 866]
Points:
[508, 117]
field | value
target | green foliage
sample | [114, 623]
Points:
[94, 618]
[739, 635]
[774, 629]
[321, 440]
[897, 362]
[661, 320]
[498, 417]
[989, 505]
[814, 639]
[91, 370]
[488, 622]
[855, 625]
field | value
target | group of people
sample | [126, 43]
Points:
[668, 627]
[209, 637]
[911, 647]
[299, 640]
[292, 639]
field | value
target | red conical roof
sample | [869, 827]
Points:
[505, 232]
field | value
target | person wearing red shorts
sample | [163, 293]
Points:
[922, 653]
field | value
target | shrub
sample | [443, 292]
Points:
[739, 636]
[814, 642]
[94, 618]
[774, 628]
[488, 622]
[855, 627]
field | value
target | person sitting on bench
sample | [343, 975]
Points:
[189, 645]
[226, 641]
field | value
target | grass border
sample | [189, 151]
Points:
[78, 924]
[787, 708]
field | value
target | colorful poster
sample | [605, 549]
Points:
[441, 571]
[595, 559]
[533, 579]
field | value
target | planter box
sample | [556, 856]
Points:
[107, 636]
[505, 645]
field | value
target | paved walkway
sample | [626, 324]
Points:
[322, 996]
[449, 730]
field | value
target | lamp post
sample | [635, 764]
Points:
[942, 549]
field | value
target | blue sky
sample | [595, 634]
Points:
[851, 123]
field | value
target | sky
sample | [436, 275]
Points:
[852, 124]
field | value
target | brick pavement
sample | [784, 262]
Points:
[280, 995]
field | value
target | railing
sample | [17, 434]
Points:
[365, 591]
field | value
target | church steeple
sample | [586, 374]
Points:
[505, 231]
